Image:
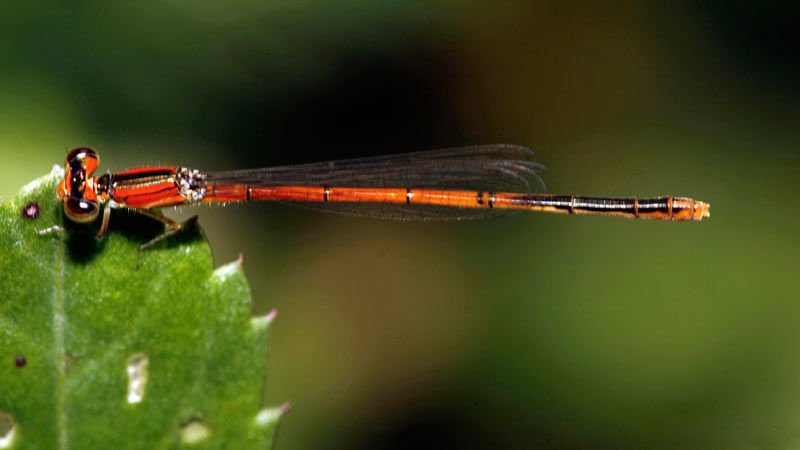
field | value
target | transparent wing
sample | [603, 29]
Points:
[492, 168]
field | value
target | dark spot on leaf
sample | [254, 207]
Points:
[20, 362]
[31, 210]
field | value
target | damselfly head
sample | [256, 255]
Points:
[77, 190]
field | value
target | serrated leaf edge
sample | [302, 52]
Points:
[267, 417]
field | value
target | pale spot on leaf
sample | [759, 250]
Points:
[137, 377]
[194, 432]
[7, 430]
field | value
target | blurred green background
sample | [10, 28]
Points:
[533, 331]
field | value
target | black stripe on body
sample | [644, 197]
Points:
[661, 204]
[556, 201]
[605, 204]
[143, 175]
[593, 204]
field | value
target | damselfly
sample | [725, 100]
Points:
[449, 184]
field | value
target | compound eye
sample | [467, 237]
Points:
[81, 210]
[83, 158]
[80, 153]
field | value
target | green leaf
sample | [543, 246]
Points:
[95, 353]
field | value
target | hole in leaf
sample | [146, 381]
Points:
[20, 361]
[7, 429]
[137, 377]
[194, 432]
[31, 210]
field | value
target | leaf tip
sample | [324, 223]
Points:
[268, 417]
[260, 323]
[222, 273]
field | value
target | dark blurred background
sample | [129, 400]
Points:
[532, 331]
